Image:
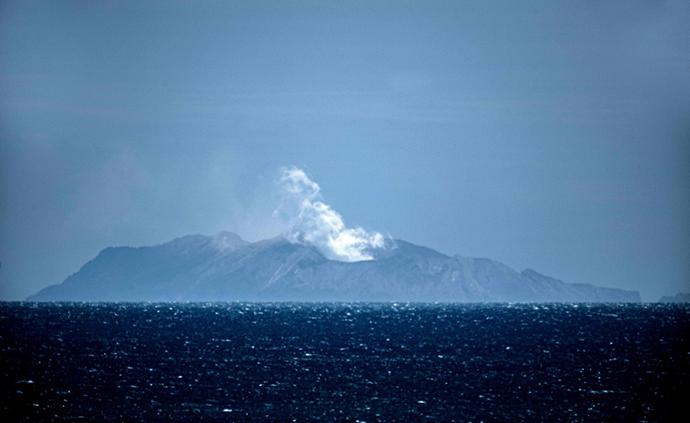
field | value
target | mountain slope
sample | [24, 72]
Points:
[226, 268]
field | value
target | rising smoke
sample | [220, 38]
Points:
[313, 222]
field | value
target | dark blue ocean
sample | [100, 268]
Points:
[343, 362]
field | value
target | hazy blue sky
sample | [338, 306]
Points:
[553, 135]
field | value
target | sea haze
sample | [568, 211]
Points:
[342, 361]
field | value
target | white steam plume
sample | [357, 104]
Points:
[315, 223]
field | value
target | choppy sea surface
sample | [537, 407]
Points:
[343, 362]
